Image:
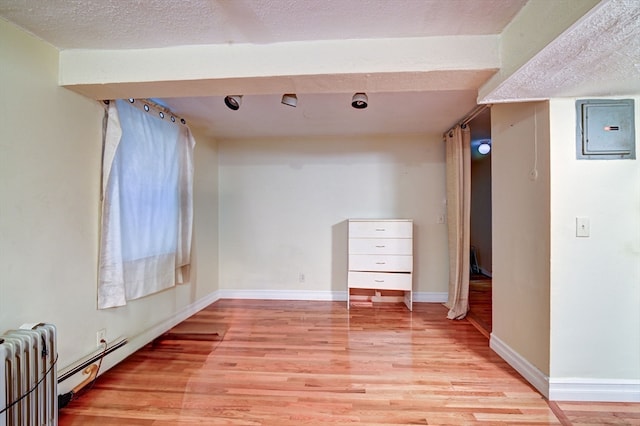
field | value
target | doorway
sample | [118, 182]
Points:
[480, 281]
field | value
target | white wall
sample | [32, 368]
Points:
[50, 142]
[521, 230]
[284, 203]
[595, 281]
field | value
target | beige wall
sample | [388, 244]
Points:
[568, 305]
[50, 141]
[205, 217]
[284, 204]
[595, 281]
[521, 218]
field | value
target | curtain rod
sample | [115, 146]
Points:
[469, 116]
[146, 104]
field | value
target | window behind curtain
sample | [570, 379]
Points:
[147, 203]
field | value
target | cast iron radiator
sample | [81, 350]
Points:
[28, 378]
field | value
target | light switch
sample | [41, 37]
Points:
[582, 227]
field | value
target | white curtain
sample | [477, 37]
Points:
[147, 207]
[458, 164]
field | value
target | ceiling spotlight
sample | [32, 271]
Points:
[290, 99]
[233, 101]
[485, 147]
[359, 101]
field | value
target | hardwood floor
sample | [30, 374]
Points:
[597, 413]
[315, 363]
[569, 413]
[480, 303]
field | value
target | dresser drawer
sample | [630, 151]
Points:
[391, 263]
[380, 229]
[380, 280]
[381, 246]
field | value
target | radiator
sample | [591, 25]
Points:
[28, 378]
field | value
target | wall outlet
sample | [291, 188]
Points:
[101, 335]
[442, 218]
[301, 277]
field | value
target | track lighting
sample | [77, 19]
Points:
[359, 101]
[290, 99]
[233, 101]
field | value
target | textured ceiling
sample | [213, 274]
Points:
[578, 64]
[598, 56]
[118, 24]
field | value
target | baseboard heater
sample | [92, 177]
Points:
[90, 370]
[95, 357]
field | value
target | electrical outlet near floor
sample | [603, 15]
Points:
[101, 336]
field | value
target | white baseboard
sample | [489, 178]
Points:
[600, 390]
[283, 295]
[568, 389]
[527, 370]
[430, 297]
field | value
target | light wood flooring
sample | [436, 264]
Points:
[316, 363]
[480, 303]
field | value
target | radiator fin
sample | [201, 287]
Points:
[28, 378]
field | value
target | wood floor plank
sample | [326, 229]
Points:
[314, 363]
[480, 303]
[600, 413]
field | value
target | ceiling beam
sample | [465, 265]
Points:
[410, 64]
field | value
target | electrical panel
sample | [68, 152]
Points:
[605, 129]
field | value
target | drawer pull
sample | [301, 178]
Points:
[379, 246]
[380, 229]
[381, 263]
[379, 281]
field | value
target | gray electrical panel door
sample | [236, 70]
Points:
[605, 129]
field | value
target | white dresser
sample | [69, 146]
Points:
[381, 256]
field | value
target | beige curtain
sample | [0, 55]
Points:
[458, 149]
